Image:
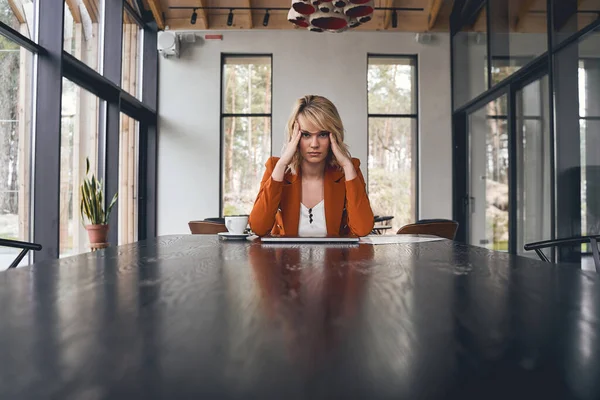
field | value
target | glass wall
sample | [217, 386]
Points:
[542, 179]
[470, 64]
[393, 125]
[534, 176]
[16, 77]
[79, 140]
[517, 35]
[19, 15]
[489, 176]
[571, 16]
[82, 31]
[132, 55]
[246, 130]
[128, 179]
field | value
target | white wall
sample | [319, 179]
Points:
[189, 106]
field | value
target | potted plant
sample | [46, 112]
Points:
[92, 208]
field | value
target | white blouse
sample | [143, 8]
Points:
[312, 221]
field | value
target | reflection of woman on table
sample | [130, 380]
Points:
[311, 294]
[315, 188]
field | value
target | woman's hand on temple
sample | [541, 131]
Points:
[287, 155]
[292, 146]
[341, 158]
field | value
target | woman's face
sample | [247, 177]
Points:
[314, 141]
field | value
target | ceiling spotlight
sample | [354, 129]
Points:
[266, 18]
[230, 18]
[394, 19]
[194, 17]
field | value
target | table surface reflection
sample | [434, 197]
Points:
[194, 317]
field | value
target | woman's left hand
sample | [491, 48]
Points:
[341, 158]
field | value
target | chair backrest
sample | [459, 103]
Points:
[206, 228]
[216, 220]
[24, 246]
[593, 240]
[439, 227]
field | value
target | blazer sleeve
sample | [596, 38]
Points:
[358, 207]
[262, 217]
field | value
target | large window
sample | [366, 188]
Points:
[82, 30]
[393, 126]
[589, 128]
[132, 55]
[16, 76]
[246, 129]
[128, 179]
[79, 140]
[19, 15]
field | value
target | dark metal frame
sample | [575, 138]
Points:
[233, 115]
[24, 246]
[416, 142]
[52, 65]
[535, 69]
[571, 241]
[47, 125]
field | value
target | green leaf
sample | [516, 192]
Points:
[112, 203]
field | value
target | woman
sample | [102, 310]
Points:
[315, 188]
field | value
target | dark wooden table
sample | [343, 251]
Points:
[192, 317]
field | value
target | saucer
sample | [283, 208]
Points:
[229, 235]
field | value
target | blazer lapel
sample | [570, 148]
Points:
[290, 201]
[334, 194]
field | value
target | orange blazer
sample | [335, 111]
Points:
[277, 206]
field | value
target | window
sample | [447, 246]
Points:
[19, 15]
[589, 126]
[246, 129]
[128, 179]
[132, 55]
[82, 31]
[16, 77]
[393, 125]
[78, 141]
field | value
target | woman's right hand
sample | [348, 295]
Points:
[292, 146]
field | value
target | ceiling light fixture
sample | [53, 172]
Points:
[194, 17]
[266, 18]
[230, 17]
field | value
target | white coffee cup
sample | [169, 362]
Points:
[236, 224]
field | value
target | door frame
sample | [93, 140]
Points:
[462, 199]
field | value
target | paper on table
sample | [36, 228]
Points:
[392, 239]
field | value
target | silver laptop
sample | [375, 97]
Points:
[306, 239]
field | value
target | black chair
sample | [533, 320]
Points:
[24, 246]
[572, 241]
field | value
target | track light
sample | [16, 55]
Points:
[394, 19]
[266, 18]
[230, 18]
[194, 17]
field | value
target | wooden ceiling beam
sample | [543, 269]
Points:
[157, 13]
[524, 8]
[249, 14]
[74, 8]
[387, 16]
[92, 8]
[434, 11]
[203, 14]
[17, 8]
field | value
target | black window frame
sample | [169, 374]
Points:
[223, 115]
[416, 142]
[51, 65]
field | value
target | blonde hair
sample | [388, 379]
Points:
[322, 113]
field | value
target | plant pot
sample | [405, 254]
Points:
[98, 234]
